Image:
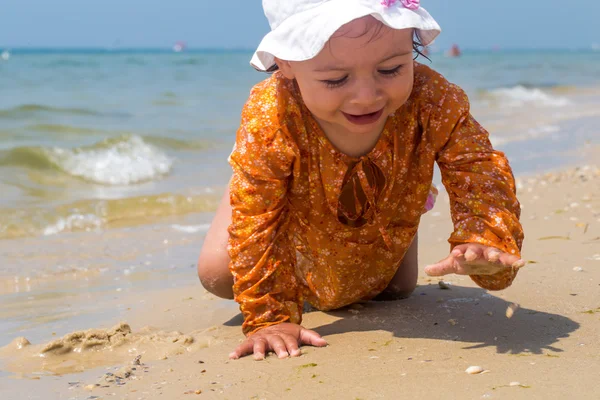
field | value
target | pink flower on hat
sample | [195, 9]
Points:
[410, 4]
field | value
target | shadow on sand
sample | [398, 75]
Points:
[478, 317]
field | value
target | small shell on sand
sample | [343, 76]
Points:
[512, 308]
[444, 285]
[514, 384]
[474, 370]
[577, 269]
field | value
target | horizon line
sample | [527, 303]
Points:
[246, 49]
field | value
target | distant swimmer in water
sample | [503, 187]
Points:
[454, 51]
[179, 47]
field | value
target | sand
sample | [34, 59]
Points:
[173, 343]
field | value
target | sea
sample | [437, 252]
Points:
[91, 139]
[96, 144]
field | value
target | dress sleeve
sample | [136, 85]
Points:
[479, 181]
[262, 260]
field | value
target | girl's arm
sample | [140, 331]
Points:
[262, 262]
[479, 181]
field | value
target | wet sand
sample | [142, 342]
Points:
[420, 347]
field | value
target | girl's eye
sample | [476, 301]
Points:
[335, 83]
[391, 72]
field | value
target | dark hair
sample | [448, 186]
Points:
[417, 45]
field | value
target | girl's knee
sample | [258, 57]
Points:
[215, 277]
[404, 282]
[392, 295]
[396, 292]
[213, 263]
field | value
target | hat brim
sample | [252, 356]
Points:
[302, 36]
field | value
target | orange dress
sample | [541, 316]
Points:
[310, 223]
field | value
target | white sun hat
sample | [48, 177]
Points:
[301, 28]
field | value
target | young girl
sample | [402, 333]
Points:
[332, 170]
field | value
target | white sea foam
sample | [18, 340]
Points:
[126, 161]
[531, 133]
[191, 228]
[518, 96]
[543, 130]
[74, 222]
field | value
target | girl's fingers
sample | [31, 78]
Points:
[492, 254]
[456, 253]
[292, 345]
[474, 259]
[242, 349]
[277, 344]
[312, 338]
[518, 264]
[460, 249]
[260, 348]
[444, 267]
[282, 344]
[473, 253]
[510, 260]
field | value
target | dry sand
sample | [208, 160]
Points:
[414, 348]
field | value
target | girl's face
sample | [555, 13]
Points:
[364, 74]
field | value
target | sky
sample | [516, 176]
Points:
[241, 23]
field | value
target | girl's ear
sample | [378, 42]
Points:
[285, 67]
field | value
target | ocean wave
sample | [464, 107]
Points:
[72, 223]
[178, 144]
[534, 133]
[123, 160]
[25, 110]
[519, 95]
[166, 102]
[166, 142]
[68, 62]
[60, 128]
[528, 85]
[135, 61]
[167, 98]
[96, 215]
[190, 61]
[30, 157]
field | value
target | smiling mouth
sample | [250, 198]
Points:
[364, 119]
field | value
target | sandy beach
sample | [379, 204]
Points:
[173, 342]
[114, 148]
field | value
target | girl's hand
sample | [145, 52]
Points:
[282, 339]
[474, 259]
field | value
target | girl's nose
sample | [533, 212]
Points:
[367, 93]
